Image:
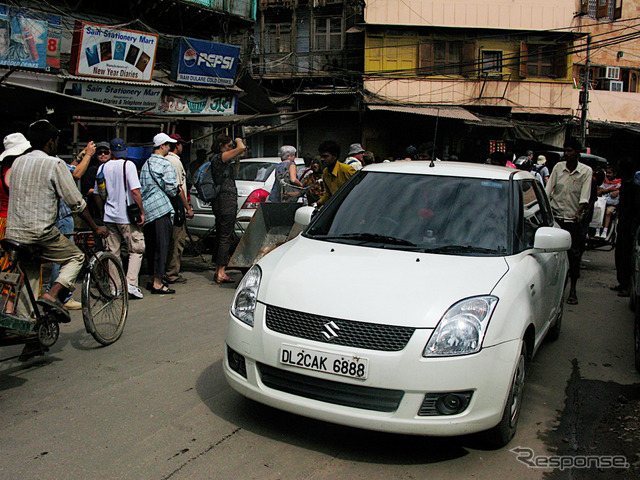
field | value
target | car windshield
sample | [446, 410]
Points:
[255, 171]
[427, 213]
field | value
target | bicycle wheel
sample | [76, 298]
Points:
[105, 299]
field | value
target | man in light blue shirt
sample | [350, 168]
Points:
[159, 181]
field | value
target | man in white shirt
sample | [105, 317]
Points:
[179, 236]
[123, 190]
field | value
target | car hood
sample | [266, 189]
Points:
[372, 284]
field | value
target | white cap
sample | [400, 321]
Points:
[162, 138]
[14, 144]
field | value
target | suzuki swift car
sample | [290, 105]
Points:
[429, 287]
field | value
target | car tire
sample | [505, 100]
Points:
[554, 330]
[501, 434]
[636, 339]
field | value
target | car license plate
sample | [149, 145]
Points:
[345, 365]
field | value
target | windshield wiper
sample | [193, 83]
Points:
[460, 249]
[367, 237]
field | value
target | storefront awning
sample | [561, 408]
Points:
[457, 113]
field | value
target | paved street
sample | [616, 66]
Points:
[155, 404]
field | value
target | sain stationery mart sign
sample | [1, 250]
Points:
[100, 51]
[202, 62]
[131, 97]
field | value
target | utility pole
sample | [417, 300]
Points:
[585, 94]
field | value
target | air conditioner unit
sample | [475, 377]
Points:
[613, 73]
[616, 86]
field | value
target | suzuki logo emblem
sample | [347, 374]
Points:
[330, 330]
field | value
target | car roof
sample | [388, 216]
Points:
[448, 169]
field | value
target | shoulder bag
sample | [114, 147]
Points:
[179, 214]
[133, 211]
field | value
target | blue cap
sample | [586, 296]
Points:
[118, 148]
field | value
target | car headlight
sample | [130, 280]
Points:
[246, 296]
[461, 330]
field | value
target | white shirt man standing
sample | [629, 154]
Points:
[123, 189]
[179, 235]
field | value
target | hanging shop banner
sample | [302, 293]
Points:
[179, 104]
[29, 39]
[132, 97]
[100, 51]
[202, 62]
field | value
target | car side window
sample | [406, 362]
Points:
[534, 213]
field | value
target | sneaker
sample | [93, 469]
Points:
[134, 291]
[72, 305]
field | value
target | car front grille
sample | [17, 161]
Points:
[348, 333]
[356, 396]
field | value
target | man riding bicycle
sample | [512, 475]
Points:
[38, 181]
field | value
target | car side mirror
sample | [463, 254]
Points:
[551, 239]
[303, 216]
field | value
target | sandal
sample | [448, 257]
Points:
[221, 280]
[163, 290]
[572, 300]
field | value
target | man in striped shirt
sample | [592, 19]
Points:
[38, 182]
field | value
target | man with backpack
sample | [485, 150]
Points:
[123, 189]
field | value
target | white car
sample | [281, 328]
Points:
[426, 291]
[254, 182]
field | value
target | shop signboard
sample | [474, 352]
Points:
[202, 62]
[131, 97]
[195, 104]
[29, 39]
[105, 52]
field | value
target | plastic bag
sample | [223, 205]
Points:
[599, 209]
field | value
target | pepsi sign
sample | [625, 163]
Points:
[202, 62]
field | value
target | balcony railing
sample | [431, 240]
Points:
[241, 8]
[314, 64]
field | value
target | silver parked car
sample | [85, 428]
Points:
[254, 182]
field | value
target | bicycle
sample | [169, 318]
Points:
[105, 299]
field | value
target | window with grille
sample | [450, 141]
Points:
[327, 33]
[491, 61]
[278, 38]
[543, 60]
[441, 58]
[611, 9]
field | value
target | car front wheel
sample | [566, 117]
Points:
[502, 433]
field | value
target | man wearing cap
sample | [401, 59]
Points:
[179, 234]
[159, 181]
[542, 169]
[122, 189]
[356, 155]
[38, 181]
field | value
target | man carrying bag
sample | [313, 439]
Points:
[123, 215]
